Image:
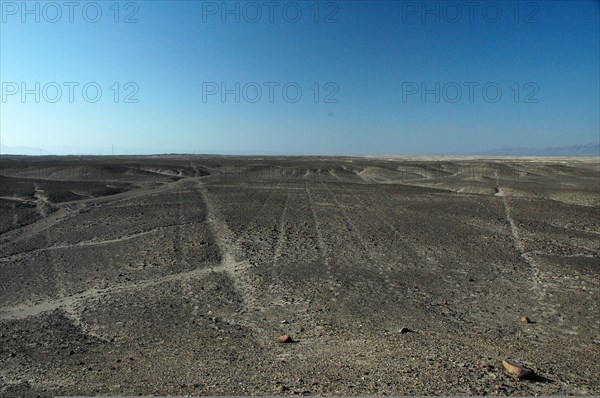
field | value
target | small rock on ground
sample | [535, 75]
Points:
[284, 339]
[516, 369]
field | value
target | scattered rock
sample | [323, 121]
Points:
[281, 388]
[516, 369]
[405, 330]
[487, 367]
[284, 339]
[525, 319]
[284, 322]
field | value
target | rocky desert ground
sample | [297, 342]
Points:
[176, 275]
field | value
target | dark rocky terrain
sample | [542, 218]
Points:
[393, 276]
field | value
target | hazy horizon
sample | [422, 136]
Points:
[588, 150]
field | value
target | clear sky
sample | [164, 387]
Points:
[376, 77]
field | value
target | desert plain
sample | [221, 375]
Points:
[175, 275]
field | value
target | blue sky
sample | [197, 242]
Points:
[362, 68]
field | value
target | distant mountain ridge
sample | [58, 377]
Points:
[21, 150]
[570, 150]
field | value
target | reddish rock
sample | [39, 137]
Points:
[516, 369]
[525, 319]
[284, 339]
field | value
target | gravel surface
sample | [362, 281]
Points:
[391, 276]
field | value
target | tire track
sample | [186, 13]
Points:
[281, 239]
[244, 233]
[420, 256]
[321, 244]
[361, 241]
[281, 227]
[373, 210]
[178, 246]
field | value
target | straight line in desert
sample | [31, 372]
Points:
[359, 238]
[244, 233]
[89, 243]
[281, 227]
[538, 285]
[320, 241]
[223, 237]
[69, 303]
[65, 211]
